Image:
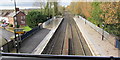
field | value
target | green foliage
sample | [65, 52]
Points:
[96, 19]
[10, 25]
[113, 29]
[27, 28]
[17, 26]
[48, 10]
[34, 17]
[56, 8]
[51, 11]
[1, 22]
[111, 12]
[96, 12]
[39, 16]
[83, 15]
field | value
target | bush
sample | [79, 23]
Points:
[17, 26]
[95, 13]
[10, 25]
[113, 29]
[26, 28]
[35, 17]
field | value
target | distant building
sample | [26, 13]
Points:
[3, 17]
[10, 16]
[20, 18]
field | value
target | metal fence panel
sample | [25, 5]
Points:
[99, 30]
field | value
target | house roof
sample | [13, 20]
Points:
[3, 14]
[13, 13]
[2, 41]
[0, 13]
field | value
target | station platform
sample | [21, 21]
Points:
[94, 40]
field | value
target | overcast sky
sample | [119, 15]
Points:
[22, 4]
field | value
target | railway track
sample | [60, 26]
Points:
[67, 40]
[55, 45]
[76, 46]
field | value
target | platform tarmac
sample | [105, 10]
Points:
[98, 46]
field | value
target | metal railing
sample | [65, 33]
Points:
[29, 56]
[99, 30]
[27, 34]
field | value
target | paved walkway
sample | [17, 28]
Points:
[5, 34]
[33, 41]
[98, 46]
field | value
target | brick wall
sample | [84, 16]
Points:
[21, 18]
[11, 20]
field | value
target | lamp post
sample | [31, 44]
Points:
[103, 31]
[53, 14]
[86, 8]
[1, 48]
[15, 26]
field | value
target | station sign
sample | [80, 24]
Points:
[19, 31]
